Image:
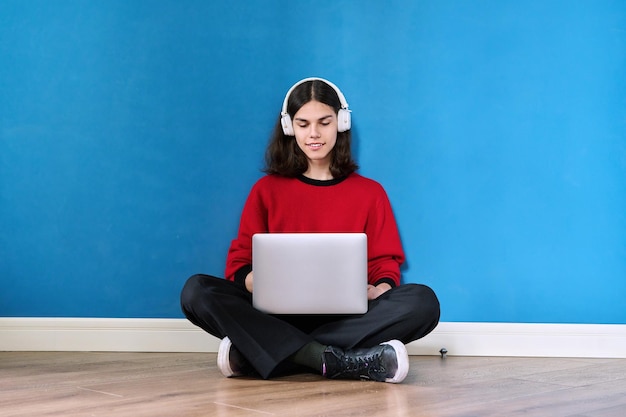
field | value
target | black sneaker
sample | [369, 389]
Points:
[231, 362]
[387, 362]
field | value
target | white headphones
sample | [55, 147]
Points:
[343, 116]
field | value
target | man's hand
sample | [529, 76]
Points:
[249, 282]
[374, 292]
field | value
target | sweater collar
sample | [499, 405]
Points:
[320, 183]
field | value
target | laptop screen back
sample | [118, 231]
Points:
[310, 273]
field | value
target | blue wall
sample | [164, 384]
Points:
[131, 132]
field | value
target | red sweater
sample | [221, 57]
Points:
[290, 205]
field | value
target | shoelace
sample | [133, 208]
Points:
[370, 363]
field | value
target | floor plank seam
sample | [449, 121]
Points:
[100, 392]
[243, 408]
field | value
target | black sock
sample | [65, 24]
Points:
[310, 355]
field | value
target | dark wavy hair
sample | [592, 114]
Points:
[284, 157]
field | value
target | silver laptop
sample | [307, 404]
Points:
[310, 273]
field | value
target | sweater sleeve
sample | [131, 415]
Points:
[253, 220]
[385, 253]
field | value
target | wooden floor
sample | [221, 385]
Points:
[189, 384]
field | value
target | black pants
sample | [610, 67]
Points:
[224, 308]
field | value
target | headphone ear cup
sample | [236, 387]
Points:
[285, 121]
[344, 120]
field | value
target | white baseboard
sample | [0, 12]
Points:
[178, 335]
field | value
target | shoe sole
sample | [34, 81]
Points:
[402, 357]
[223, 362]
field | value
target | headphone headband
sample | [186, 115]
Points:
[343, 117]
[342, 99]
